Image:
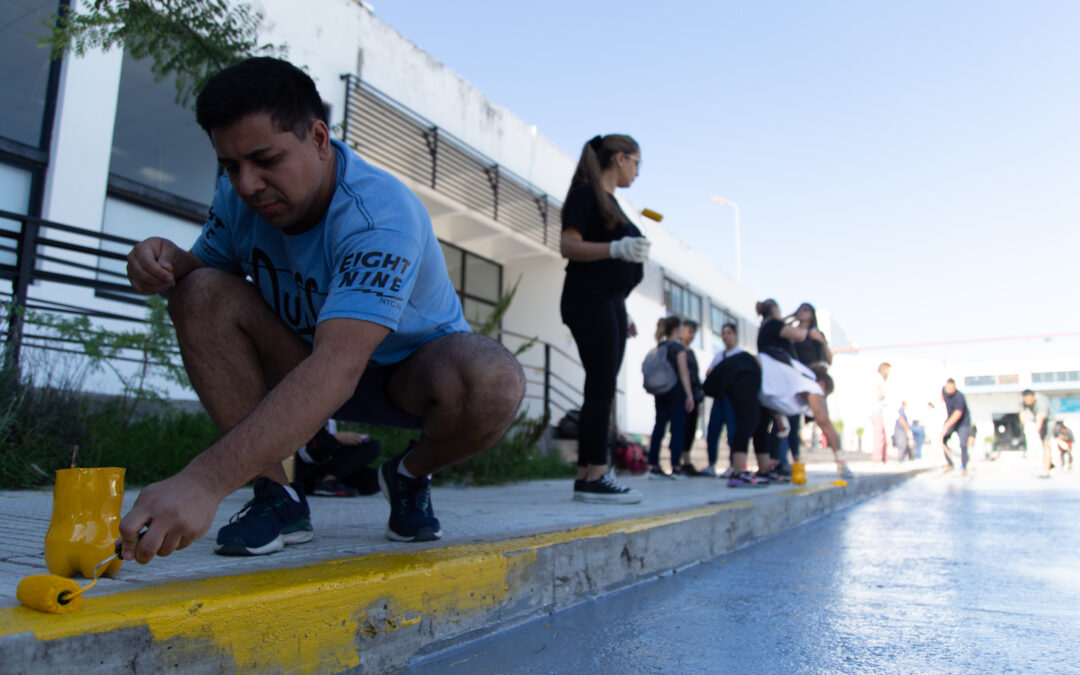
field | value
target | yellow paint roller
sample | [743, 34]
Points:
[55, 594]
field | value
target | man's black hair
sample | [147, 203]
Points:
[733, 327]
[257, 85]
[1027, 392]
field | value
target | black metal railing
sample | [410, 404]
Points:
[35, 250]
[396, 138]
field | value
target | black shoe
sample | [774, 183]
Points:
[267, 522]
[411, 516]
[605, 490]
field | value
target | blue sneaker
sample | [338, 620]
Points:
[266, 523]
[411, 515]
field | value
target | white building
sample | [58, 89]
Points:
[95, 143]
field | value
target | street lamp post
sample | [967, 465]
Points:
[738, 237]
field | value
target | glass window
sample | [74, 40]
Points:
[477, 312]
[156, 142]
[24, 69]
[454, 266]
[478, 282]
[481, 278]
[979, 380]
[14, 196]
[124, 219]
[719, 316]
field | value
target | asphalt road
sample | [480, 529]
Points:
[944, 574]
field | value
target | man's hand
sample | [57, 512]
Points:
[631, 330]
[175, 512]
[150, 265]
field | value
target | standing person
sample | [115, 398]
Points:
[918, 435]
[877, 414]
[903, 435]
[1063, 436]
[1038, 407]
[722, 413]
[958, 421]
[673, 405]
[606, 253]
[811, 350]
[687, 333]
[778, 339]
[349, 313]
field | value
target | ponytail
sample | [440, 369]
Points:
[765, 308]
[595, 157]
[665, 327]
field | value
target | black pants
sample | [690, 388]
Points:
[599, 326]
[691, 427]
[749, 415]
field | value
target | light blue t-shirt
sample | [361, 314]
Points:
[373, 257]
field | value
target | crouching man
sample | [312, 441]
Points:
[317, 289]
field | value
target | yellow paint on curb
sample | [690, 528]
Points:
[252, 618]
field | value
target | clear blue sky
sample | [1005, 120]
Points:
[914, 167]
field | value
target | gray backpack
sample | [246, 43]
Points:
[660, 375]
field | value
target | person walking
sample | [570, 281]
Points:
[605, 253]
[673, 405]
[903, 435]
[722, 414]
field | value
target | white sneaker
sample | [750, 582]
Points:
[709, 471]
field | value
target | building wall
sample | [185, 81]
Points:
[348, 38]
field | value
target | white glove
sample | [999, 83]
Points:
[631, 249]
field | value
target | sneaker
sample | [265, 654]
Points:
[677, 474]
[728, 472]
[267, 522]
[777, 476]
[332, 487]
[656, 473]
[747, 479]
[708, 472]
[411, 515]
[605, 490]
[845, 472]
[689, 471]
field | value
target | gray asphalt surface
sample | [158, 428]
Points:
[944, 574]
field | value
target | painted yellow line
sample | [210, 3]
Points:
[252, 618]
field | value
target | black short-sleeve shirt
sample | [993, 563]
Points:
[769, 341]
[810, 351]
[609, 275]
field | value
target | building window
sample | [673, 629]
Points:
[680, 301]
[478, 282]
[718, 316]
[156, 141]
[979, 381]
[15, 185]
[24, 70]
[1058, 376]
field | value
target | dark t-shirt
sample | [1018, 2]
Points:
[674, 348]
[608, 275]
[810, 351]
[692, 366]
[769, 341]
[954, 403]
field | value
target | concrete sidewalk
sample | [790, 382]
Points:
[352, 600]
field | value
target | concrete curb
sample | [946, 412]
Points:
[375, 613]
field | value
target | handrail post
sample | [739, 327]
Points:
[547, 379]
[25, 257]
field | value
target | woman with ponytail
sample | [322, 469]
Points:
[606, 253]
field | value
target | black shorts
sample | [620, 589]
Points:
[369, 404]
